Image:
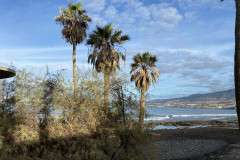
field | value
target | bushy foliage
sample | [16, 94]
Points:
[41, 118]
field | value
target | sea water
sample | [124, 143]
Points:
[164, 114]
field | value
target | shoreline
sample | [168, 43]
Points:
[165, 114]
[186, 124]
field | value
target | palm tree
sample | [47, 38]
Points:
[106, 54]
[237, 59]
[143, 73]
[75, 23]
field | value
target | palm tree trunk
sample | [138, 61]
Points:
[106, 92]
[237, 60]
[142, 109]
[74, 70]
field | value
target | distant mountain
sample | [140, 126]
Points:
[215, 96]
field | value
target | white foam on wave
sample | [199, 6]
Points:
[161, 127]
[201, 126]
[164, 127]
[205, 115]
[156, 118]
[190, 117]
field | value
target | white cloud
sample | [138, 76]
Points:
[167, 14]
[55, 57]
[5, 51]
[211, 51]
[110, 12]
[214, 4]
[97, 19]
[120, 1]
[196, 71]
[143, 12]
[192, 69]
[160, 15]
[126, 19]
[185, 4]
[94, 5]
[190, 16]
[134, 12]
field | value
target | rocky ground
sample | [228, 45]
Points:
[232, 152]
[199, 143]
[183, 148]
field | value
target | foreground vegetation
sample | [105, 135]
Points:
[96, 119]
[30, 129]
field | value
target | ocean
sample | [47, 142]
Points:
[164, 114]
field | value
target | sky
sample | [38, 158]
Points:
[192, 39]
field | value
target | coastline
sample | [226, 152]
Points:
[187, 107]
[166, 114]
[188, 124]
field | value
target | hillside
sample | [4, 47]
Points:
[215, 96]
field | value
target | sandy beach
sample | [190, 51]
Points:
[219, 142]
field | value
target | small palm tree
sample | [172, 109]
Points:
[143, 73]
[106, 54]
[75, 23]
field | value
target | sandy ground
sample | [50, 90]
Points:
[198, 143]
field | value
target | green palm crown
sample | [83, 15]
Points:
[143, 70]
[75, 22]
[106, 45]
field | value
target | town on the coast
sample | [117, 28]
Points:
[200, 105]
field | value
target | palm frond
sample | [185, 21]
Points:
[133, 77]
[142, 65]
[156, 72]
[79, 6]
[137, 58]
[90, 57]
[152, 61]
[117, 34]
[123, 39]
[85, 17]
[148, 80]
[134, 67]
[122, 55]
[138, 83]
[142, 82]
[115, 54]
[115, 37]
[70, 4]
[75, 23]
[103, 39]
[153, 78]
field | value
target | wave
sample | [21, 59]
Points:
[205, 115]
[157, 118]
[161, 127]
[190, 117]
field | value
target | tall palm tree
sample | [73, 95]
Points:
[143, 73]
[75, 23]
[237, 59]
[106, 54]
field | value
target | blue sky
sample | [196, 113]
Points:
[193, 39]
